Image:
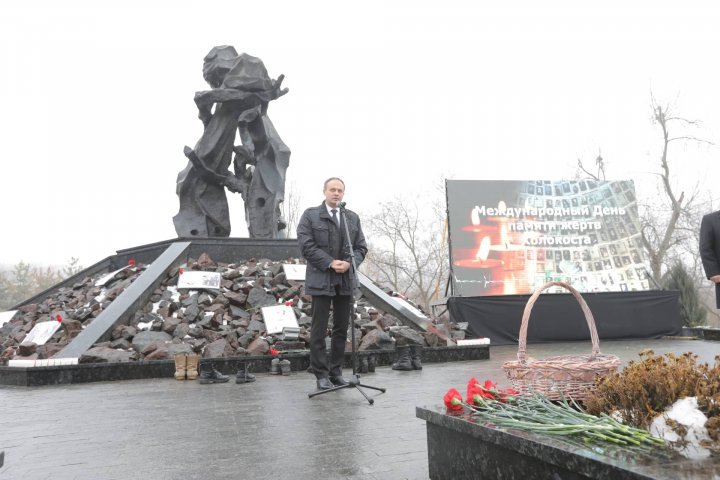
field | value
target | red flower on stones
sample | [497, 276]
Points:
[181, 271]
[274, 351]
[58, 317]
[131, 262]
[453, 400]
[289, 303]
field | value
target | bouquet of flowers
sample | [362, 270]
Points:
[534, 412]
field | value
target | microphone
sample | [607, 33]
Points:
[341, 205]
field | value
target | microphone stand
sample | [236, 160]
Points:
[355, 379]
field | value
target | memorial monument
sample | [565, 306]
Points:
[236, 104]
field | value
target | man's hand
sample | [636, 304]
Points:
[340, 266]
[715, 279]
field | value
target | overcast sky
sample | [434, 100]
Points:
[97, 102]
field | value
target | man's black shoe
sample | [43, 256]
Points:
[338, 381]
[324, 383]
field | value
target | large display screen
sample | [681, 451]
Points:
[511, 237]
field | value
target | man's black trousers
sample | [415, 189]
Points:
[321, 364]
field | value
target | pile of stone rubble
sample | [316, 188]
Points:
[215, 323]
[75, 307]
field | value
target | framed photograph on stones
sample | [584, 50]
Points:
[294, 271]
[198, 280]
[278, 317]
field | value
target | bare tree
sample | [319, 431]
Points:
[291, 210]
[599, 165]
[670, 219]
[406, 249]
[661, 225]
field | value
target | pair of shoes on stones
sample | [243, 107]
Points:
[367, 364]
[243, 375]
[279, 367]
[186, 366]
[208, 374]
[409, 358]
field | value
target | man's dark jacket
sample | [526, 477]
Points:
[710, 248]
[322, 241]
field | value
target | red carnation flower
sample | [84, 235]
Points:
[453, 400]
[508, 392]
[131, 262]
[489, 386]
[473, 388]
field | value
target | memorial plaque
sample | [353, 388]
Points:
[278, 317]
[43, 362]
[42, 332]
[474, 341]
[294, 271]
[101, 282]
[6, 316]
[199, 280]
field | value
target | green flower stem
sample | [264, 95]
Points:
[538, 414]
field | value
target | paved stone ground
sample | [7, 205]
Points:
[270, 429]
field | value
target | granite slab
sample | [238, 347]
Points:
[460, 448]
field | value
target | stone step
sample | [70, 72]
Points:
[299, 362]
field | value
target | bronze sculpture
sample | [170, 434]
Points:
[240, 94]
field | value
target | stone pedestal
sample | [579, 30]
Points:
[460, 449]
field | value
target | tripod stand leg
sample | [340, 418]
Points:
[368, 386]
[320, 392]
[370, 400]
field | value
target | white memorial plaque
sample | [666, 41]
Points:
[45, 362]
[42, 332]
[105, 279]
[197, 280]
[294, 271]
[474, 341]
[278, 317]
[6, 316]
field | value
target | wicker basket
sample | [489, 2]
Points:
[571, 376]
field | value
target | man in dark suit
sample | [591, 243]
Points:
[710, 250]
[329, 277]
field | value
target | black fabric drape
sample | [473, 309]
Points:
[558, 317]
